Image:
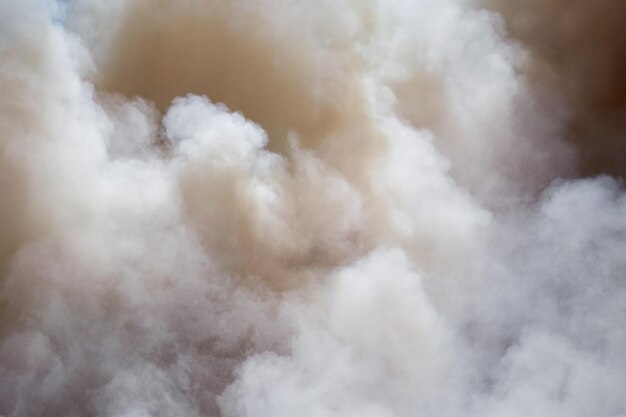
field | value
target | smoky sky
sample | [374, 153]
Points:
[237, 208]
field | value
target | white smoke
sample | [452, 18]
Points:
[337, 208]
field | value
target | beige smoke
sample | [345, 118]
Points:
[278, 73]
[265, 208]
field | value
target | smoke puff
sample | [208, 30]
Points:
[234, 208]
[361, 328]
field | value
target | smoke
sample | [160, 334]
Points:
[579, 55]
[336, 208]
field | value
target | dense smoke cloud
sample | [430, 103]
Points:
[264, 208]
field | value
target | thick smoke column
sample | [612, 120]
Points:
[247, 208]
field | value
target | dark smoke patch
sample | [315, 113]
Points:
[578, 52]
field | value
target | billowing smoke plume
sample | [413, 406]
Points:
[244, 208]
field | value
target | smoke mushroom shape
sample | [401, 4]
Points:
[333, 208]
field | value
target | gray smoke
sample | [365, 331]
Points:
[245, 208]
